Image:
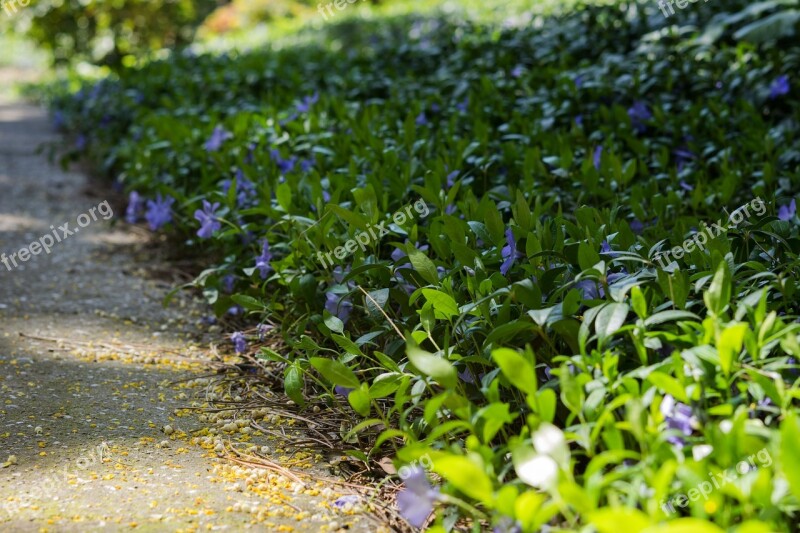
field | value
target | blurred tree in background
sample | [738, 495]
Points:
[112, 32]
[117, 32]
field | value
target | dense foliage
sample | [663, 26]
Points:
[518, 325]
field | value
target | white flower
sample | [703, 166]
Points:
[538, 471]
[726, 426]
[701, 451]
[549, 440]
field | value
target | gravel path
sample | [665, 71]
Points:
[92, 369]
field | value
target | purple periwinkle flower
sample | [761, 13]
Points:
[208, 219]
[605, 247]
[613, 277]
[578, 80]
[421, 119]
[261, 331]
[340, 273]
[639, 114]
[284, 165]
[228, 282]
[509, 252]
[398, 254]
[135, 207]
[685, 186]
[58, 120]
[239, 342]
[159, 211]
[589, 289]
[636, 226]
[218, 136]
[466, 376]
[263, 261]
[342, 391]
[350, 499]
[338, 306]
[462, 106]
[682, 156]
[305, 105]
[246, 193]
[81, 142]
[417, 499]
[451, 178]
[779, 87]
[678, 417]
[787, 212]
[597, 157]
[307, 164]
[517, 71]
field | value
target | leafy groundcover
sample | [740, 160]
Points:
[551, 264]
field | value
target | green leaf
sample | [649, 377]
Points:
[719, 293]
[730, 344]
[385, 385]
[359, 400]
[610, 319]
[685, 525]
[347, 345]
[610, 520]
[352, 219]
[669, 385]
[465, 475]
[335, 372]
[639, 303]
[293, 384]
[494, 417]
[667, 316]
[424, 266]
[587, 256]
[284, 196]
[379, 297]
[790, 437]
[372, 422]
[247, 302]
[431, 365]
[334, 324]
[516, 369]
[771, 28]
[503, 334]
[546, 400]
[443, 304]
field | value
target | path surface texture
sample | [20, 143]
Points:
[97, 377]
